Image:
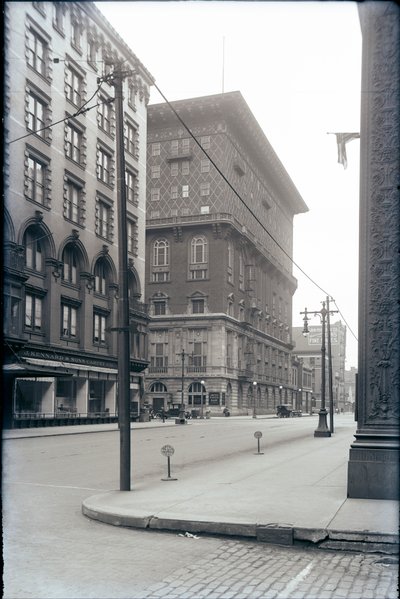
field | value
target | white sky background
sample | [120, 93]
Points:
[298, 66]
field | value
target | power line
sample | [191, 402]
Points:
[246, 206]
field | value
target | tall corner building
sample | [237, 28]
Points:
[219, 242]
[60, 276]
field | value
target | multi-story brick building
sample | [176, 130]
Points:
[309, 350]
[61, 212]
[219, 280]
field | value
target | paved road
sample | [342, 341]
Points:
[51, 550]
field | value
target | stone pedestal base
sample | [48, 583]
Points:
[373, 473]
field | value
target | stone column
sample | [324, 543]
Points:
[374, 456]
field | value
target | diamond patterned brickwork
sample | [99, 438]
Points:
[235, 164]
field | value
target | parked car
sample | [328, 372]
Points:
[284, 410]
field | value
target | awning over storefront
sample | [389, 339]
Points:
[25, 370]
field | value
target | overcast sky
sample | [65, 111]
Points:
[298, 66]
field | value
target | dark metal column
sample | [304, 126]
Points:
[373, 470]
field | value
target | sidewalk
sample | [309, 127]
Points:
[280, 497]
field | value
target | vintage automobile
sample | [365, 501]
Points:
[284, 410]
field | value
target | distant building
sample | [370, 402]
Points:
[218, 286]
[350, 389]
[309, 350]
[60, 276]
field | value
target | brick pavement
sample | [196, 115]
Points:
[247, 570]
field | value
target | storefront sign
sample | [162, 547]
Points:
[213, 398]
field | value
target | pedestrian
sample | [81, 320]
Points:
[163, 414]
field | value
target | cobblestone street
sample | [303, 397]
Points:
[252, 571]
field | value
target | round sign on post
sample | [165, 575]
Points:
[167, 450]
[258, 435]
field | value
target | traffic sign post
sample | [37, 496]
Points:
[168, 451]
[258, 435]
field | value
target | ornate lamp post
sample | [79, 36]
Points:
[254, 398]
[322, 430]
[280, 394]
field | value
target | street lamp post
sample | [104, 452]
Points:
[254, 398]
[322, 430]
[299, 403]
[202, 399]
[182, 418]
[280, 394]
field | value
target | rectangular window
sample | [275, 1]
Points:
[204, 209]
[155, 171]
[155, 194]
[185, 167]
[104, 166]
[155, 149]
[205, 189]
[37, 52]
[35, 180]
[33, 312]
[130, 139]
[103, 219]
[130, 180]
[73, 143]
[174, 147]
[174, 169]
[74, 84]
[205, 166]
[174, 192]
[69, 325]
[72, 203]
[104, 111]
[185, 191]
[92, 53]
[160, 277]
[76, 35]
[132, 236]
[197, 306]
[99, 328]
[205, 142]
[185, 146]
[37, 109]
[58, 16]
[160, 308]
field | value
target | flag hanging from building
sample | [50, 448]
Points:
[342, 139]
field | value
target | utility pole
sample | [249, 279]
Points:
[116, 80]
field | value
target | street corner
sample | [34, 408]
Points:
[115, 508]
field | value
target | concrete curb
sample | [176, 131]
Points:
[277, 534]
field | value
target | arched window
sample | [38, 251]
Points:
[241, 271]
[161, 253]
[33, 250]
[198, 258]
[158, 388]
[70, 265]
[197, 394]
[230, 262]
[160, 272]
[100, 276]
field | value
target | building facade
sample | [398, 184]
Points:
[219, 281]
[309, 350]
[60, 217]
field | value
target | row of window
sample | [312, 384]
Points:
[198, 259]
[34, 321]
[38, 54]
[176, 168]
[37, 186]
[179, 191]
[71, 259]
[180, 147]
